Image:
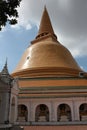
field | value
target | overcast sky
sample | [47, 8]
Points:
[69, 20]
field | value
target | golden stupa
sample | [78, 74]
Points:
[46, 56]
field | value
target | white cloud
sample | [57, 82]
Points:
[4, 29]
[69, 20]
[77, 46]
[25, 25]
[65, 4]
[28, 27]
[82, 68]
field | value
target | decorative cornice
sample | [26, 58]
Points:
[47, 97]
[50, 78]
[44, 88]
[48, 72]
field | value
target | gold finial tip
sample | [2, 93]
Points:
[45, 8]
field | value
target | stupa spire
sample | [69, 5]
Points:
[45, 25]
[5, 76]
[5, 69]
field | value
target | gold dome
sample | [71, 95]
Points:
[46, 56]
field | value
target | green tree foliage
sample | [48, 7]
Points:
[8, 12]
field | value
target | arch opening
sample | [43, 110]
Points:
[64, 113]
[22, 113]
[42, 113]
[83, 112]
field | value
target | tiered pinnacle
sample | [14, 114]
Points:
[5, 76]
[5, 69]
[45, 25]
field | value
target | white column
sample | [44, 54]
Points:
[75, 111]
[16, 109]
[28, 108]
[72, 111]
[53, 116]
[32, 112]
[7, 107]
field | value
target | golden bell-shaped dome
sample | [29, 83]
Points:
[46, 56]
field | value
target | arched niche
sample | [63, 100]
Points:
[83, 112]
[64, 113]
[22, 113]
[42, 113]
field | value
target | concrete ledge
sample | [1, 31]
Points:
[51, 123]
[5, 125]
